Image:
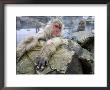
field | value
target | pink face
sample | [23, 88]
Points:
[56, 29]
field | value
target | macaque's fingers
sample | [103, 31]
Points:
[41, 63]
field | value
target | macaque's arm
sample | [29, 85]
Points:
[51, 47]
[31, 41]
[25, 45]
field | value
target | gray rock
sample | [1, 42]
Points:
[82, 37]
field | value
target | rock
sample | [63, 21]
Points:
[81, 52]
[87, 67]
[25, 66]
[75, 66]
[82, 37]
[85, 54]
[61, 59]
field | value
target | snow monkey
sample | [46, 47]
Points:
[81, 26]
[50, 31]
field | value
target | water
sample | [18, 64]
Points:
[22, 33]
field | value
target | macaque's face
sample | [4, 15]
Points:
[81, 23]
[56, 29]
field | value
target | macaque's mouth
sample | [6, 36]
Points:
[56, 33]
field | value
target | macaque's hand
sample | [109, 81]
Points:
[41, 63]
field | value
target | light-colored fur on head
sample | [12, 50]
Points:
[59, 21]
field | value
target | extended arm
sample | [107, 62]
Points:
[30, 42]
[49, 49]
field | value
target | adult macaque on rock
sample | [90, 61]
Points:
[50, 31]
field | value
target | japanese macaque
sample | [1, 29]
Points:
[50, 31]
[81, 26]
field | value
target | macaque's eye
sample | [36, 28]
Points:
[57, 26]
